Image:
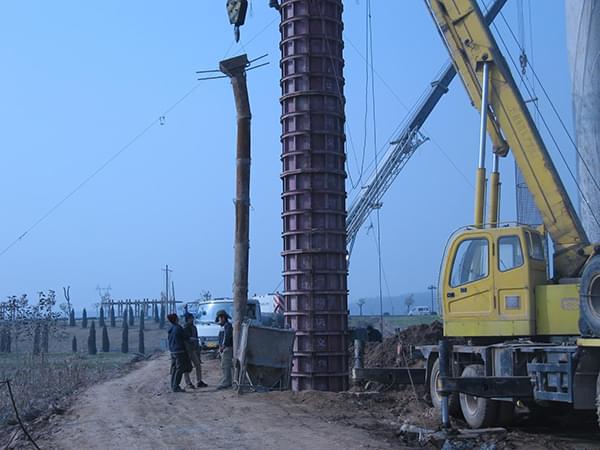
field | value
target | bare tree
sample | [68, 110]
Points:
[360, 302]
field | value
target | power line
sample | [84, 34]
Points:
[138, 136]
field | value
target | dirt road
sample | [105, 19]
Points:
[138, 411]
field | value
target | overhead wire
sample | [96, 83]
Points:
[87, 179]
[158, 121]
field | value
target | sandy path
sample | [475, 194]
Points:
[138, 411]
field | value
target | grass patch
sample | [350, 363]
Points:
[42, 383]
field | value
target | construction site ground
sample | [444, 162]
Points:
[138, 410]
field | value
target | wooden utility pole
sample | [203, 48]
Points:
[166, 270]
[235, 69]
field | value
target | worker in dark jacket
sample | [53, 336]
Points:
[225, 348]
[180, 362]
[192, 346]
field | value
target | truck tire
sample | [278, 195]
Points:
[589, 299]
[506, 414]
[478, 412]
[436, 399]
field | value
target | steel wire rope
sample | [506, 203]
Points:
[366, 112]
[546, 126]
[548, 98]
[387, 286]
[341, 97]
[425, 130]
[374, 117]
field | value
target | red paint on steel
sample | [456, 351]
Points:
[314, 192]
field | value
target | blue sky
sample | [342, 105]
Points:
[81, 79]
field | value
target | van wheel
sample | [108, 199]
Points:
[436, 399]
[589, 298]
[478, 412]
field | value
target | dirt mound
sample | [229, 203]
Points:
[398, 350]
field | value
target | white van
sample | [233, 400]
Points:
[205, 312]
[420, 311]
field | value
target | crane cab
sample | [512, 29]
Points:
[489, 282]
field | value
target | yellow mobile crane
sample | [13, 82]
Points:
[529, 337]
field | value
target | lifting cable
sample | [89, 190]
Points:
[409, 110]
[546, 126]
[374, 116]
[531, 93]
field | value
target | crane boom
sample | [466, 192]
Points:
[471, 44]
[403, 147]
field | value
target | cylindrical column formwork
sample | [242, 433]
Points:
[314, 193]
[583, 41]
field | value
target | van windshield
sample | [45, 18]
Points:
[207, 312]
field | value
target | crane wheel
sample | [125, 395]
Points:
[506, 414]
[589, 299]
[436, 399]
[478, 412]
[598, 399]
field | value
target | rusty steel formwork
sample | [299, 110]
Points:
[314, 192]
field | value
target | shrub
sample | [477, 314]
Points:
[105, 341]
[162, 316]
[141, 348]
[125, 338]
[72, 317]
[45, 337]
[155, 313]
[84, 319]
[131, 316]
[36, 340]
[92, 349]
[124, 321]
[101, 318]
[113, 322]
[74, 345]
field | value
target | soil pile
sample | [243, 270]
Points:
[398, 351]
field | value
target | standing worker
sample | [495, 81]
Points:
[192, 347]
[180, 362]
[225, 348]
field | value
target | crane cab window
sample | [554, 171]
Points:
[535, 246]
[470, 262]
[510, 254]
